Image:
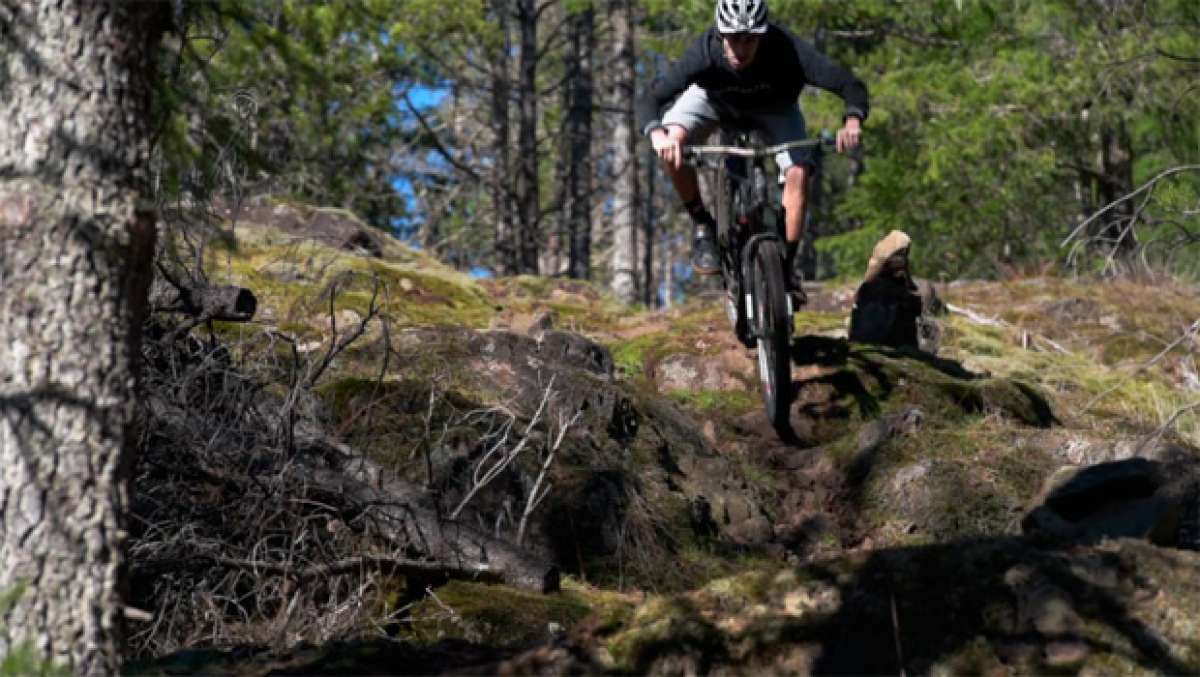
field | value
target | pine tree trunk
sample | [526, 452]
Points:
[1116, 168]
[505, 232]
[579, 130]
[807, 254]
[75, 253]
[648, 227]
[527, 150]
[625, 185]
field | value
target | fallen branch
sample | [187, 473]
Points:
[976, 318]
[1157, 434]
[399, 565]
[227, 303]
[457, 547]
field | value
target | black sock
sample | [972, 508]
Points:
[699, 213]
[790, 249]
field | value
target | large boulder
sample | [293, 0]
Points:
[632, 483]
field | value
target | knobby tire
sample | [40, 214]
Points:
[772, 331]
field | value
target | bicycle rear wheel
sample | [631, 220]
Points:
[772, 329]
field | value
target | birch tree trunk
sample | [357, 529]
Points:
[625, 185]
[75, 254]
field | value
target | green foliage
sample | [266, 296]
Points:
[293, 97]
[988, 119]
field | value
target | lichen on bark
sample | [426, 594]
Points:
[74, 257]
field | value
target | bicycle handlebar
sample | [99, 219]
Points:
[767, 151]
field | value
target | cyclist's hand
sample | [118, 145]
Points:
[849, 135]
[668, 147]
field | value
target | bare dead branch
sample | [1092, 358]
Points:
[976, 318]
[1157, 434]
[1138, 191]
[535, 498]
[487, 469]
[337, 344]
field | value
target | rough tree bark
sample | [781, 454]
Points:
[625, 185]
[649, 293]
[579, 132]
[75, 254]
[505, 235]
[1116, 172]
[528, 200]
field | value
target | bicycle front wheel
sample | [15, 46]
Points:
[772, 330]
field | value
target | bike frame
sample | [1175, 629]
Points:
[752, 254]
[714, 157]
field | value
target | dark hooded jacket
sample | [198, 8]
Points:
[782, 67]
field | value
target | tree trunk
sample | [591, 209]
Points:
[625, 184]
[505, 234]
[807, 253]
[1116, 170]
[75, 254]
[668, 266]
[527, 173]
[649, 297]
[579, 132]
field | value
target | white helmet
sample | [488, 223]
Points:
[741, 16]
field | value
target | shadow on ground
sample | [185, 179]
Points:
[966, 606]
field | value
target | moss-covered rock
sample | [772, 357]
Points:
[494, 615]
[948, 607]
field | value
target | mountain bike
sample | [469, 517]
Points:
[750, 238]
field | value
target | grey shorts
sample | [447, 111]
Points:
[700, 117]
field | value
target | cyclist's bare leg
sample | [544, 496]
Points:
[795, 203]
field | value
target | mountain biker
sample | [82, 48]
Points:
[746, 69]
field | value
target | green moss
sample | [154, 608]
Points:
[686, 335]
[702, 564]
[1148, 316]
[976, 657]
[609, 610]
[632, 357]
[723, 402]
[292, 278]
[1134, 347]
[387, 419]
[664, 624]
[808, 322]
[494, 614]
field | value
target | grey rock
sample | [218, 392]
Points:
[874, 434]
[1133, 498]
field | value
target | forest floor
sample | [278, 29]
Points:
[1023, 499]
